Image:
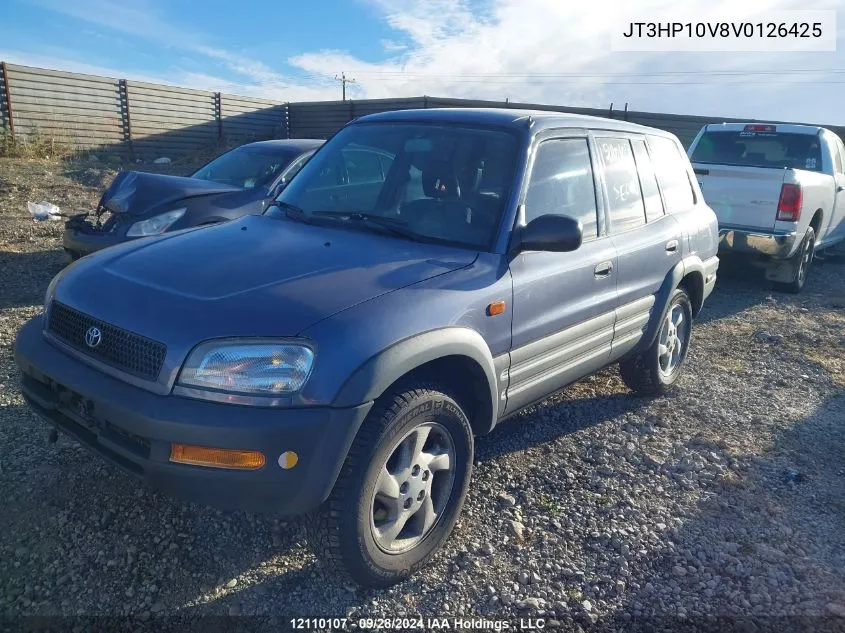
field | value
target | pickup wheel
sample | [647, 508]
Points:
[802, 260]
[655, 370]
[400, 490]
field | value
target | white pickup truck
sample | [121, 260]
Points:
[777, 190]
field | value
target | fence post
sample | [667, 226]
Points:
[625, 115]
[4, 74]
[351, 109]
[123, 91]
[218, 115]
[425, 101]
[286, 116]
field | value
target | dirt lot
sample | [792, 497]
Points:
[726, 498]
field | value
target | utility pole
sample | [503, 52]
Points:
[343, 81]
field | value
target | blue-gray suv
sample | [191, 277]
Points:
[336, 355]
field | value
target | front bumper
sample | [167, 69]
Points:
[134, 429]
[82, 243]
[777, 244]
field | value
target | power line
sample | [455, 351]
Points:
[816, 71]
[680, 82]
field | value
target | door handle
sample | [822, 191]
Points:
[603, 269]
[839, 188]
[671, 246]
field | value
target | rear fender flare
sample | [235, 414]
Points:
[691, 264]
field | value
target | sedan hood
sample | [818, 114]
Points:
[136, 193]
[256, 276]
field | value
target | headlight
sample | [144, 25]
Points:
[155, 225]
[259, 367]
[51, 291]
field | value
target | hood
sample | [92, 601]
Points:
[256, 276]
[136, 192]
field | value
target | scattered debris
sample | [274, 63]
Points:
[41, 211]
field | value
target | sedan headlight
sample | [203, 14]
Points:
[155, 225]
[51, 290]
[257, 367]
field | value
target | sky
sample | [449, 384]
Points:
[536, 51]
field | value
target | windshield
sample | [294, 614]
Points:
[443, 183]
[759, 149]
[246, 167]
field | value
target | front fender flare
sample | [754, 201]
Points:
[376, 375]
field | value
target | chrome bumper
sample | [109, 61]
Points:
[776, 244]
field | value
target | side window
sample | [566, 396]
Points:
[648, 182]
[562, 183]
[670, 165]
[623, 184]
[839, 157]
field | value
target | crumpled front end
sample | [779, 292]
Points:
[86, 233]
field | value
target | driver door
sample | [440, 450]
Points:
[564, 303]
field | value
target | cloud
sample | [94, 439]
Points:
[552, 51]
[143, 19]
[536, 51]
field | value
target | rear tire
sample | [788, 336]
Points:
[803, 260]
[656, 370]
[400, 491]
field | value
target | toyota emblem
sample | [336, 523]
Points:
[93, 337]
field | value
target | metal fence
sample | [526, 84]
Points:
[148, 120]
[139, 119]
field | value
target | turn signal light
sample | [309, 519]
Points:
[216, 457]
[495, 308]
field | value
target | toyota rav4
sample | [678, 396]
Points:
[336, 355]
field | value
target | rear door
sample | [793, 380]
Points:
[648, 241]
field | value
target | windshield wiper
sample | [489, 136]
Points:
[381, 223]
[291, 211]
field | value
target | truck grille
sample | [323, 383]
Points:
[123, 350]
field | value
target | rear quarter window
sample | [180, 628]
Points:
[670, 167]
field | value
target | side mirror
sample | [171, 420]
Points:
[555, 233]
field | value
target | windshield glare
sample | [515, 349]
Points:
[759, 149]
[246, 167]
[445, 183]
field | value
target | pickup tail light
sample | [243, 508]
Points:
[789, 205]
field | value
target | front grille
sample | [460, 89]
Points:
[123, 350]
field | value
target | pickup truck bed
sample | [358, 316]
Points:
[777, 191]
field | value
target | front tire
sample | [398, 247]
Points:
[401, 488]
[803, 261]
[656, 370]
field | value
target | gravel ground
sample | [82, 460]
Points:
[722, 499]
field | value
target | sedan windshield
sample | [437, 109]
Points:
[246, 167]
[439, 183]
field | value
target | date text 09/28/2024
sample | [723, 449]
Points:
[724, 29]
[427, 623]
